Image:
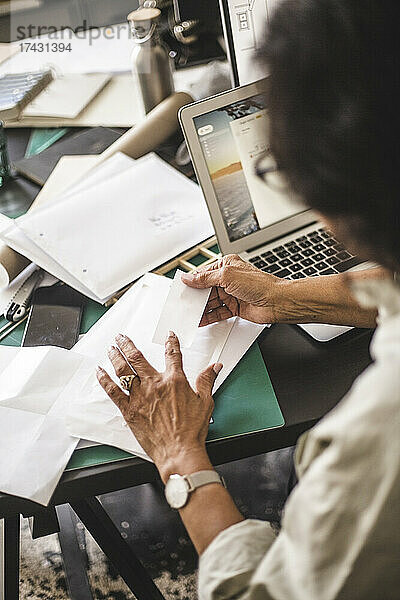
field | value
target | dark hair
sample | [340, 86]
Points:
[334, 102]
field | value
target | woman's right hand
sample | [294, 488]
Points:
[238, 289]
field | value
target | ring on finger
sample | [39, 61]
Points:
[126, 381]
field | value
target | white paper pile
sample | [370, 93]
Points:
[35, 445]
[111, 229]
[91, 415]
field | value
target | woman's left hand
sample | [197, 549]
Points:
[169, 419]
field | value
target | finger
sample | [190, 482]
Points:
[219, 314]
[206, 379]
[173, 355]
[203, 279]
[119, 363]
[134, 357]
[111, 389]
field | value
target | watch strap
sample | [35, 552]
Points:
[196, 480]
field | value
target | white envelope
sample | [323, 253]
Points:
[91, 414]
[127, 226]
[35, 445]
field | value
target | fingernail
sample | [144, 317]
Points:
[120, 337]
[99, 369]
[187, 276]
[111, 349]
[217, 368]
[171, 334]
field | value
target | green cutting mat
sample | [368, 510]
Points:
[41, 139]
[245, 403]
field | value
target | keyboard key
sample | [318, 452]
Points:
[307, 262]
[283, 273]
[319, 248]
[289, 244]
[294, 249]
[332, 260]
[348, 264]
[305, 244]
[330, 252]
[310, 271]
[254, 259]
[285, 262]
[321, 266]
[308, 252]
[303, 238]
[297, 257]
[298, 276]
[296, 267]
[271, 268]
[283, 254]
[271, 259]
[318, 257]
[343, 255]
[278, 249]
[260, 263]
[339, 247]
[329, 271]
[324, 234]
[330, 242]
[266, 254]
[315, 239]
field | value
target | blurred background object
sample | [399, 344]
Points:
[191, 29]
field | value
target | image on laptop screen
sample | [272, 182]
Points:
[232, 138]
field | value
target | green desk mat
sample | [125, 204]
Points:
[245, 403]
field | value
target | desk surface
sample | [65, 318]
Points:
[309, 378]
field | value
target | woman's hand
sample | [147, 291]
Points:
[169, 419]
[239, 289]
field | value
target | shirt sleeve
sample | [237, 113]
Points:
[228, 564]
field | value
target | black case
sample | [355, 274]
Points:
[55, 317]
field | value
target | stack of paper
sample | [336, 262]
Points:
[110, 230]
[138, 314]
[50, 397]
[35, 445]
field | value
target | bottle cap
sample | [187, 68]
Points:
[143, 14]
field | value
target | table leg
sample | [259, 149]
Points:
[75, 571]
[9, 561]
[118, 551]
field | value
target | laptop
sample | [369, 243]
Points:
[226, 135]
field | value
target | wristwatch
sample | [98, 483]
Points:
[179, 487]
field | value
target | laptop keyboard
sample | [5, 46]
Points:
[316, 253]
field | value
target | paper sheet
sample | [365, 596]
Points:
[144, 216]
[91, 414]
[66, 96]
[35, 445]
[99, 50]
[181, 313]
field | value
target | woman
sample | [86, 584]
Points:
[334, 133]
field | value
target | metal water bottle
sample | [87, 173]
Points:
[151, 64]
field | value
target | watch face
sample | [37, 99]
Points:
[176, 491]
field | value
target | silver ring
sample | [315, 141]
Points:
[127, 381]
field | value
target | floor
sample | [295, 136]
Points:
[156, 534]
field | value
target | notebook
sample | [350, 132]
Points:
[91, 141]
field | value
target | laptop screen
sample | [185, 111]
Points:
[232, 138]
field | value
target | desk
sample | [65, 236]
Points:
[309, 379]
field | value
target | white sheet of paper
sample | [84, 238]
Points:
[35, 445]
[181, 312]
[143, 217]
[91, 414]
[102, 50]
[66, 96]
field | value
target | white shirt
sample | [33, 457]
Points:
[340, 536]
